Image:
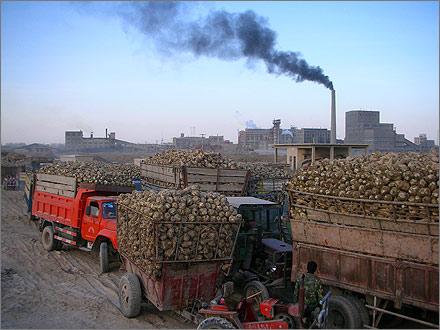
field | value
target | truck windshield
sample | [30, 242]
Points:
[266, 217]
[108, 210]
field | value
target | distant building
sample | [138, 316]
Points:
[262, 138]
[77, 158]
[36, 149]
[74, 140]
[424, 144]
[364, 127]
[212, 143]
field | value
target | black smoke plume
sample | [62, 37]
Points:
[219, 34]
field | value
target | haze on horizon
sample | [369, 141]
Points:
[83, 65]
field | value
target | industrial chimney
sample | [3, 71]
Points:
[333, 119]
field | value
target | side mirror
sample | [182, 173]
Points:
[88, 210]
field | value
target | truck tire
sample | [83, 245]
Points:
[103, 257]
[216, 323]
[130, 295]
[363, 311]
[47, 239]
[342, 314]
[254, 287]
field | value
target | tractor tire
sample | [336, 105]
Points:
[103, 257]
[47, 240]
[216, 323]
[363, 311]
[254, 287]
[130, 295]
[342, 314]
[292, 323]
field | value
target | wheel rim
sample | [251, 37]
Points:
[257, 299]
[124, 294]
[335, 319]
[46, 238]
[286, 318]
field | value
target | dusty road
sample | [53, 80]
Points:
[59, 289]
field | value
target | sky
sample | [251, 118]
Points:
[95, 65]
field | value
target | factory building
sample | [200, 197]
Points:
[211, 143]
[424, 144]
[75, 140]
[262, 138]
[364, 127]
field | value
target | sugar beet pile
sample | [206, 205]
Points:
[179, 225]
[410, 177]
[198, 158]
[95, 172]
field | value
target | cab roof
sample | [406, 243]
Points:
[103, 198]
[239, 201]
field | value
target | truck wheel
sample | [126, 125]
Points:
[252, 288]
[130, 295]
[216, 323]
[103, 257]
[363, 311]
[342, 314]
[290, 320]
[49, 243]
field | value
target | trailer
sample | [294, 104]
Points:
[381, 256]
[81, 215]
[182, 285]
[229, 182]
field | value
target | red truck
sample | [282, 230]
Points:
[83, 216]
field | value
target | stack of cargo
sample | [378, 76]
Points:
[176, 226]
[94, 172]
[382, 204]
[180, 169]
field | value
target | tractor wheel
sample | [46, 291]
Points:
[216, 323]
[252, 288]
[103, 257]
[342, 314]
[363, 311]
[47, 239]
[290, 320]
[130, 295]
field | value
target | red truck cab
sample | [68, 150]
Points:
[100, 219]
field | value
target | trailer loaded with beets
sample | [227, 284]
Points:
[379, 257]
[174, 245]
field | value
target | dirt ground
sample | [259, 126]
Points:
[59, 289]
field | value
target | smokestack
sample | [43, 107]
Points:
[333, 119]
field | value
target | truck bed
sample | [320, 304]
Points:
[400, 281]
[180, 285]
[230, 182]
